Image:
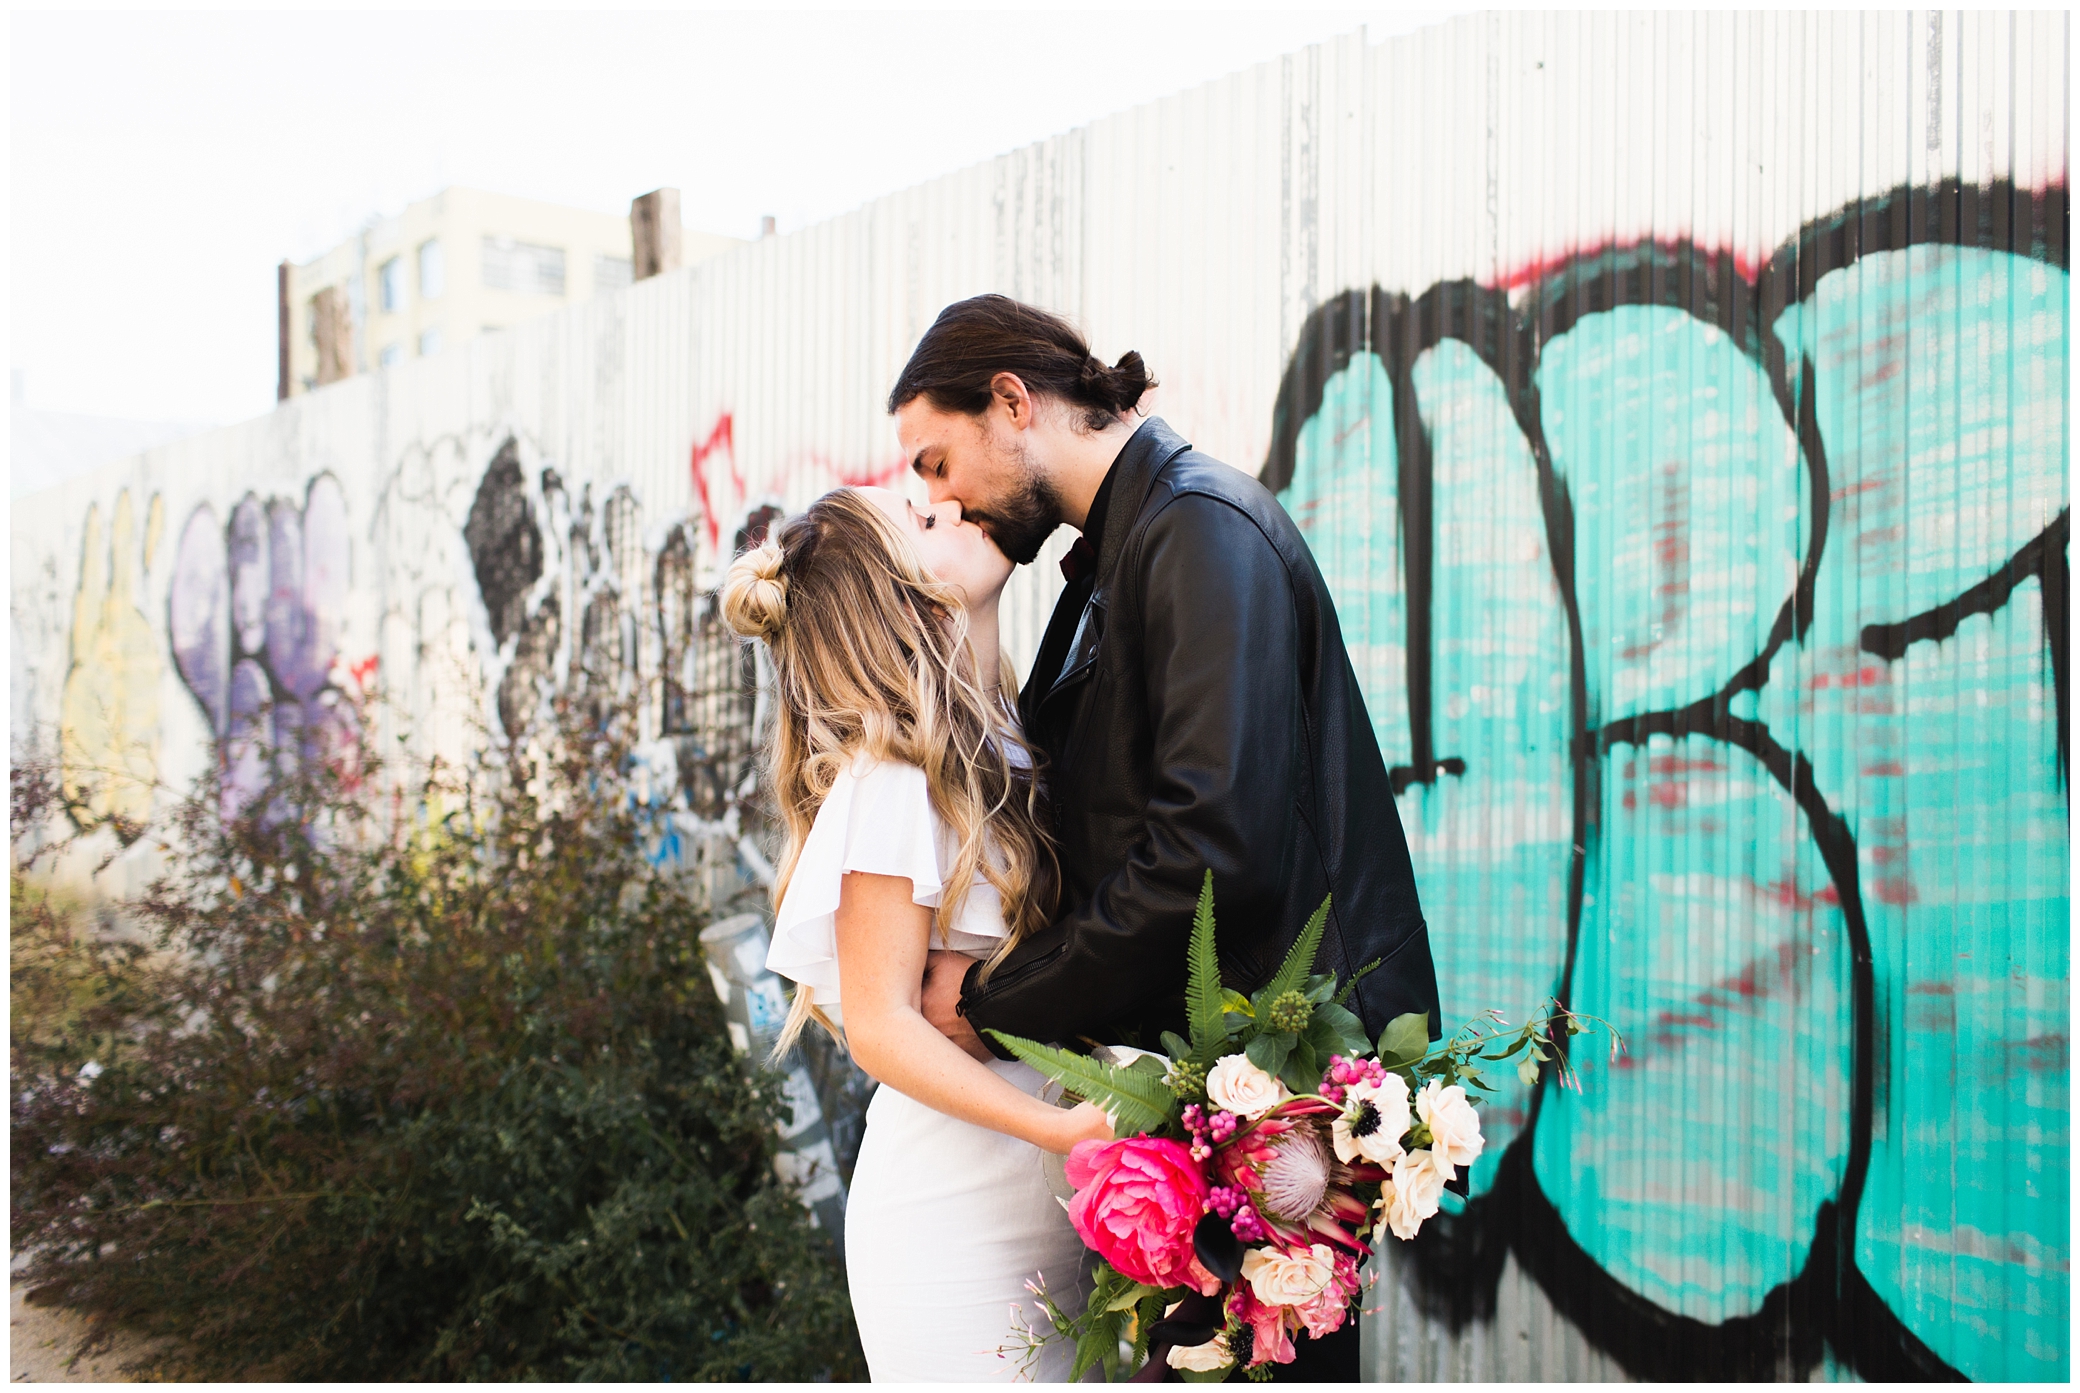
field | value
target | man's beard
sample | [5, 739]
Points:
[1021, 522]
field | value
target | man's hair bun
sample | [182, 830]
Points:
[753, 597]
[1121, 385]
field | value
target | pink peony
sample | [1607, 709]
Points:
[1137, 1202]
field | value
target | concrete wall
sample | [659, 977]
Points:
[1678, 407]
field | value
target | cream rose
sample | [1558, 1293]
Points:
[1411, 1193]
[1289, 1279]
[1201, 1359]
[1374, 1119]
[1455, 1128]
[1242, 1088]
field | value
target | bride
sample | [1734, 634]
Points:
[914, 820]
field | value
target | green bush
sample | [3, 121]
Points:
[437, 1096]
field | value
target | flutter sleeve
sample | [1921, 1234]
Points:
[877, 818]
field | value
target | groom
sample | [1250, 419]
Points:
[1192, 696]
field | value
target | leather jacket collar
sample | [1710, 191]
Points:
[1141, 459]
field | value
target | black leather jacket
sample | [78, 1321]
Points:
[1206, 716]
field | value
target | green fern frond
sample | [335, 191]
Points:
[1203, 984]
[1292, 973]
[1137, 1102]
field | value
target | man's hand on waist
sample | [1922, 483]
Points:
[944, 972]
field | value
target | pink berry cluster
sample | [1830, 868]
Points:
[1207, 1132]
[1248, 1227]
[1232, 1204]
[1345, 1072]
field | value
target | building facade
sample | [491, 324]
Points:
[461, 263]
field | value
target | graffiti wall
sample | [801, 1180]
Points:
[1678, 408]
[1714, 624]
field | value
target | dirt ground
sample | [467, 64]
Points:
[43, 1339]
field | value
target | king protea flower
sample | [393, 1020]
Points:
[1298, 1188]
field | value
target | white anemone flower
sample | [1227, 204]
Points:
[1374, 1119]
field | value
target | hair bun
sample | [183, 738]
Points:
[753, 597]
[1130, 380]
[1119, 387]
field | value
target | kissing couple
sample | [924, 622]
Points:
[966, 856]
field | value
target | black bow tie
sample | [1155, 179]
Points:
[1079, 562]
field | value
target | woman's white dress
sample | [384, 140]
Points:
[946, 1221]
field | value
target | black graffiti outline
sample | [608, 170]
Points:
[1460, 1259]
[2043, 556]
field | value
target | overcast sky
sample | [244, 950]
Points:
[164, 163]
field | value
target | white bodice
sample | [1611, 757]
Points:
[878, 818]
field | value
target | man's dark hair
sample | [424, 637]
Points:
[973, 340]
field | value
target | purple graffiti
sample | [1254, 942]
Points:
[256, 611]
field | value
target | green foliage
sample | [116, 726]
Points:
[1187, 1080]
[451, 1100]
[1405, 1047]
[1405, 1040]
[1289, 1013]
[1120, 1311]
[1350, 986]
[1293, 973]
[1204, 998]
[1137, 1100]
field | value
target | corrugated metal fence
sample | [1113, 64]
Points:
[1678, 407]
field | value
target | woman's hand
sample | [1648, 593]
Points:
[1084, 1122]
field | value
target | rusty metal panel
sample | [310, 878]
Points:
[1677, 406]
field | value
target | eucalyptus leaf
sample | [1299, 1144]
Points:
[1175, 1045]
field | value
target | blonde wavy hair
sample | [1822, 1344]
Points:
[872, 657]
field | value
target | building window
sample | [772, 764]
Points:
[392, 355]
[611, 273]
[522, 266]
[429, 343]
[433, 270]
[390, 284]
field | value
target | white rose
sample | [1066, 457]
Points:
[1374, 1119]
[1242, 1088]
[1411, 1193]
[1201, 1359]
[1455, 1128]
[1289, 1279]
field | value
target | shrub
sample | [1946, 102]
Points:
[446, 1099]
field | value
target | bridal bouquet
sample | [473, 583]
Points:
[1254, 1163]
